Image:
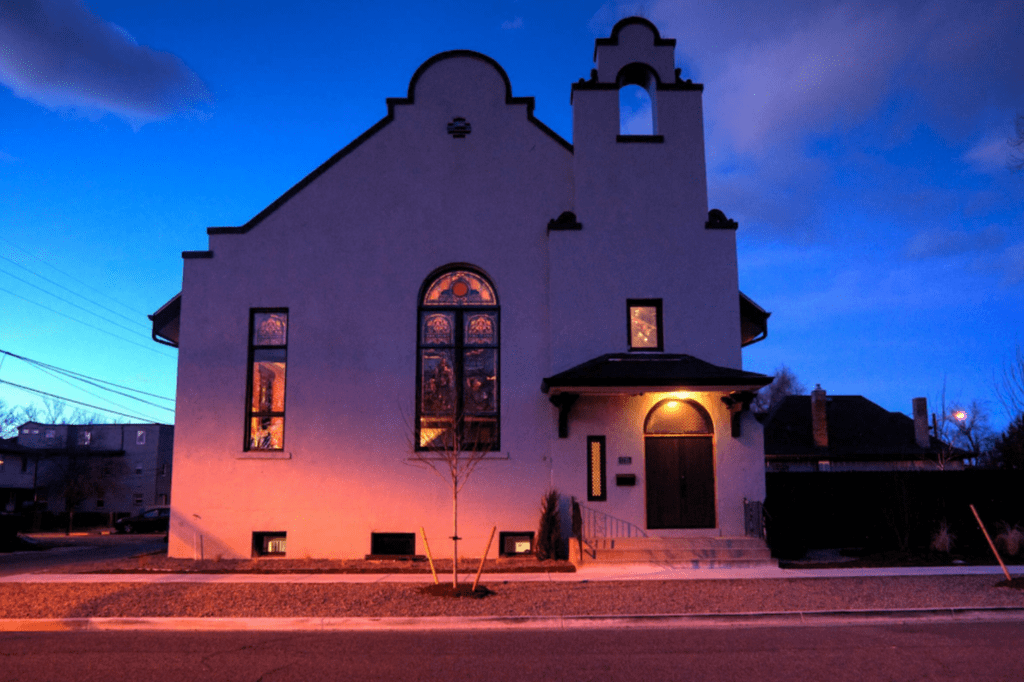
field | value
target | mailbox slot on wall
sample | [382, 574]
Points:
[625, 479]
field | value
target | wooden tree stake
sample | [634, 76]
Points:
[484, 558]
[430, 559]
[991, 544]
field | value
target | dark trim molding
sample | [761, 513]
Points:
[653, 139]
[197, 254]
[679, 85]
[565, 221]
[718, 221]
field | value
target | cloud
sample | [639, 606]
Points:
[991, 154]
[1013, 264]
[941, 242]
[7, 158]
[828, 73]
[60, 55]
[512, 24]
[841, 118]
[823, 65]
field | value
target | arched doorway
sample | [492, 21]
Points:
[679, 465]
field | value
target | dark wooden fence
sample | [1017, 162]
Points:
[885, 510]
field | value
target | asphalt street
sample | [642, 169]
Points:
[79, 549]
[920, 651]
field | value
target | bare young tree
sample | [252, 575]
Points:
[11, 417]
[964, 430]
[1008, 449]
[784, 384]
[453, 453]
[1010, 386]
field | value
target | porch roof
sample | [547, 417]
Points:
[641, 372]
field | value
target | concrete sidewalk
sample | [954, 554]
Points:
[591, 573]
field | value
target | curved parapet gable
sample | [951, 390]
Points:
[635, 40]
[421, 88]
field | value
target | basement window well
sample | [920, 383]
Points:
[392, 545]
[269, 543]
[515, 543]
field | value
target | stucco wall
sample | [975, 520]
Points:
[347, 254]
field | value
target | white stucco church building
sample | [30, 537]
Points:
[571, 310]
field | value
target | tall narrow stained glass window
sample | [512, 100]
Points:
[457, 384]
[268, 359]
[597, 477]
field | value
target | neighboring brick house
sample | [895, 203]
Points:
[110, 468]
[571, 309]
[819, 432]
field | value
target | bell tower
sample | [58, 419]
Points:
[640, 199]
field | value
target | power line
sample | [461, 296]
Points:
[149, 348]
[94, 395]
[69, 289]
[72, 303]
[75, 279]
[79, 402]
[85, 377]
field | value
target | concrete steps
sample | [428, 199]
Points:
[695, 552]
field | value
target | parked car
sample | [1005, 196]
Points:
[155, 520]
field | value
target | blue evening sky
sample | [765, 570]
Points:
[862, 146]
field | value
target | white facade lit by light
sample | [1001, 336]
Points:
[575, 305]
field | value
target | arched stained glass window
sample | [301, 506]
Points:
[457, 363]
[678, 418]
[459, 288]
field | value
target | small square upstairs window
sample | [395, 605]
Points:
[137, 499]
[140, 437]
[644, 319]
[84, 437]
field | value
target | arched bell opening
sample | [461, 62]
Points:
[638, 85]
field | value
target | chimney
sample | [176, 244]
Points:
[819, 417]
[921, 435]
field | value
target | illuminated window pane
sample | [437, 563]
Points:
[438, 329]
[645, 324]
[437, 388]
[478, 367]
[596, 477]
[268, 386]
[678, 417]
[481, 329]
[457, 386]
[270, 329]
[266, 433]
[459, 288]
[268, 355]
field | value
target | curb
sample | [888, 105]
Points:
[697, 620]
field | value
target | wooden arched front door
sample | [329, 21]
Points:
[680, 466]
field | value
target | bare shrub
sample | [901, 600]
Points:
[1010, 539]
[943, 540]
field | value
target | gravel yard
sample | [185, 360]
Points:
[80, 600]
